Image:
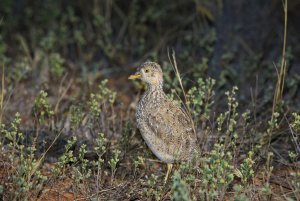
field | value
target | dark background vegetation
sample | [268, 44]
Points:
[67, 47]
[241, 39]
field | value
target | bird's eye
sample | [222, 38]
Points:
[146, 70]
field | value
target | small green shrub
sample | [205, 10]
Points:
[153, 190]
[81, 171]
[42, 110]
[100, 146]
[139, 161]
[56, 64]
[66, 159]
[169, 82]
[77, 115]
[294, 156]
[14, 137]
[217, 173]
[26, 175]
[227, 121]
[104, 98]
[245, 172]
[179, 188]
[113, 163]
[295, 124]
[266, 138]
[200, 99]
[48, 41]
[100, 149]
[239, 193]
[21, 70]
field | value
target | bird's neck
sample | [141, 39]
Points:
[155, 87]
[154, 92]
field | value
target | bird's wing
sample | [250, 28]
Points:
[170, 123]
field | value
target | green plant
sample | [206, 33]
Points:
[294, 176]
[139, 161]
[56, 64]
[296, 122]
[67, 158]
[180, 188]
[42, 110]
[200, 99]
[100, 149]
[77, 115]
[48, 41]
[245, 172]
[14, 137]
[26, 174]
[21, 70]
[200, 68]
[266, 190]
[294, 183]
[153, 190]
[229, 119]
[190, 169]
[81, 170]
[94, 105]
[239, 193]
[267, 136]
[113, 163]
[217, 173]
[100, 100]
[295, 129]
[169, 82]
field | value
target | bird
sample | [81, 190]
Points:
[164, 125]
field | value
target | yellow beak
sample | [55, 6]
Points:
[135, 76]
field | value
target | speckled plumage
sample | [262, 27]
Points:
[164, 125]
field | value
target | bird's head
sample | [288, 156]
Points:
[149, 72]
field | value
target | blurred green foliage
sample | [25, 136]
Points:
[110, 30]
[105, 34]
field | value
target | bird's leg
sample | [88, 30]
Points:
[170, 165]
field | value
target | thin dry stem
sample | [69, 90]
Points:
[283, 68]
[175, 68]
